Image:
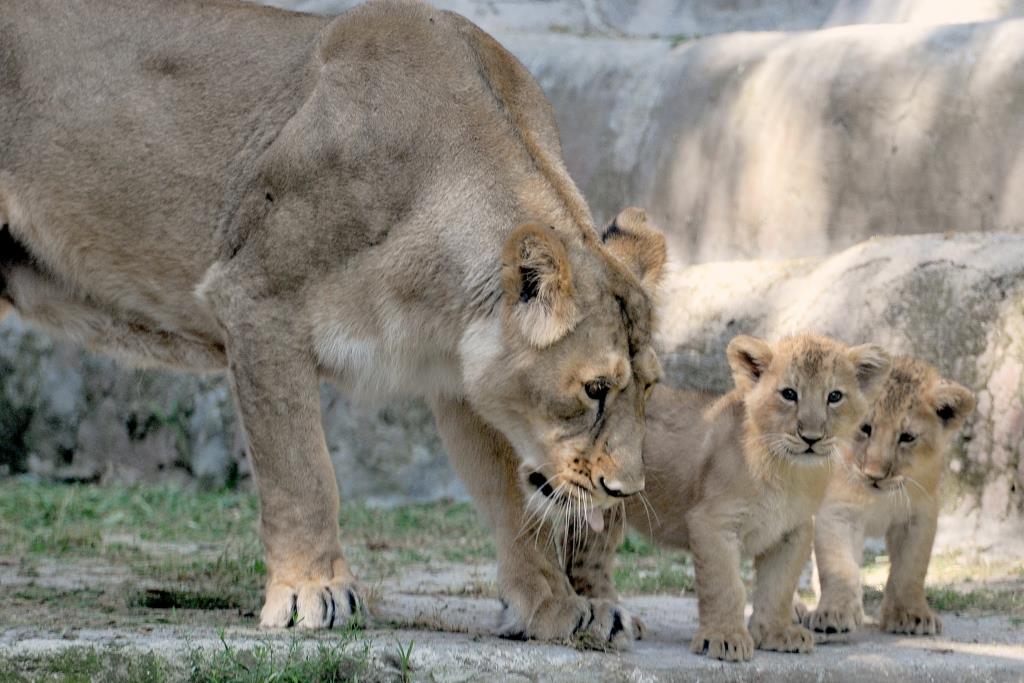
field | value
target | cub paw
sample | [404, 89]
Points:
[313, 604]
[914, 621]
[836, 617]
[789, 638]
[731, 645]
[593, 624]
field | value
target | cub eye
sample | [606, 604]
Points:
[866, 428]
[788, 394]
[596, 390]
[907, 438]
[835, 396]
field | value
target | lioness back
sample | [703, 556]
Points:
[889, 486]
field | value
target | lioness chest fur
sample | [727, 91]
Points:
[376, 198]
[743, 474]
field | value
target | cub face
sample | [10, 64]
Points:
[905, 435]
[806, 395]
[566, 374]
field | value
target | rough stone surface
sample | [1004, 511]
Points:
[69, 415]
[676, 19]
[956, 301]
[453, 640]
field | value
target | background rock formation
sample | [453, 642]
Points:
[824, 123]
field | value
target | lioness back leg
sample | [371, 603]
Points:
[904, 605]
[777, 573]
[276, 386]
[540, 601]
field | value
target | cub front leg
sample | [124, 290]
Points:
[539, 599]
[720, 595]
[838, 550]
[276, 387]
[777, 573]
[904, 605]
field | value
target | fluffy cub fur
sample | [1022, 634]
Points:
[742, 474]
[890, 487]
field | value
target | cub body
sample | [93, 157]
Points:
[742, 474]
[890, 488]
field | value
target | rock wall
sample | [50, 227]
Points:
[679, 19]
[956, 301]
[72, 416]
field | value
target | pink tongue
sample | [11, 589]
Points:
[595, 518]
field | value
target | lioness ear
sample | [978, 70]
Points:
[537, 284]
[749, 358]
[871, 362]
[952, 403]
[637, 244]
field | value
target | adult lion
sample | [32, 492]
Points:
[377, 198]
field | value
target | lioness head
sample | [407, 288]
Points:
[567, 377]
[908, 429]
[805, 395]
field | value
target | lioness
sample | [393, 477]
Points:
[377, 198]
[743, 474]
[890, 487]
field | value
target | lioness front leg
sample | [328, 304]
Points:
[720, 594]
[777, 573]
[904, 605]
[838, 548]
[276, 387]
[540, 601]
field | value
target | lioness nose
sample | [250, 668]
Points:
[618, 489]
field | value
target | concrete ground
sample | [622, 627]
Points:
[449, 624]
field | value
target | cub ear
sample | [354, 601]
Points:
[537, 284]
[749, 358]
[637, 244]
[952, 403]
[872, 363]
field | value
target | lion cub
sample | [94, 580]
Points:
[744, 473]
[890, 488]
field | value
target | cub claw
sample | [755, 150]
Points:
[790, 638]
[912, 621]
[734, 645]
[835, 617]
[313, 604]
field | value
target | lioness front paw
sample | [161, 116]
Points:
[313, 604]
[788, 638]
[919, 620]
[836, 617]
[596, 624]
[731, 645]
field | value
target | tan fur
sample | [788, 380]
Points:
[890, 489]
[728, 476]
[215, 185]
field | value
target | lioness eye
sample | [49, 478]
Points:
[596, 390]
[907, 438]
[835, 396]
[648, 388]
[866, 428]
[788, 394]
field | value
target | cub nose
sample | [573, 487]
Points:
[809, 440]
[617, 489]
